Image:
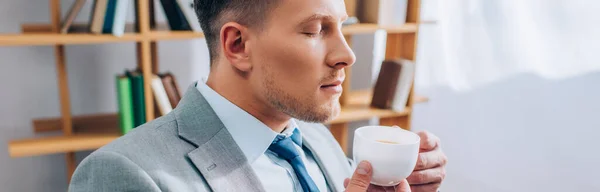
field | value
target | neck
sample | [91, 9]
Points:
[235, 88]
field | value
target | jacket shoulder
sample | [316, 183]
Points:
[115, 172]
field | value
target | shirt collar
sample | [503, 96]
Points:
[291, 131]
[251, 135]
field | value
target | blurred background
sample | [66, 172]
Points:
[512, 89]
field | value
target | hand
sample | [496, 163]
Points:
[430, 170]
[361, 181]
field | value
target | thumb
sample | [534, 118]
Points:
[403, 187]
[361, 179]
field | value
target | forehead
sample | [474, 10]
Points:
[295, 10]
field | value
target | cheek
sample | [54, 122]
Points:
[294, 62]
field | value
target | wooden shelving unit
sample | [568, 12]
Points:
[76, 134]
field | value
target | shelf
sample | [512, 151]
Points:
[96, 123]
[39, 34]
[363, 112]
[358, 108]
[174, 35]
[64, 39]
[363, 97]
[372, 28]
[59, 144]
[78, 38]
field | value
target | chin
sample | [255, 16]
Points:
[335, 110]
[316, 113]
[330, 111]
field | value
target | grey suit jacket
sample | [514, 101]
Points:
[189, 149]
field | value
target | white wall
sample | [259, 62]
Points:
[523, 134]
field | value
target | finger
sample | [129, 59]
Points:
[377, 188]
[431, 159]
[428, 141]
[346, 181]
[427, 176]
[361, 178]
[426, 187]
[403, 187]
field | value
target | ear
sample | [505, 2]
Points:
[233, 42]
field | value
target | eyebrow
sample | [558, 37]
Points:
[319, 16]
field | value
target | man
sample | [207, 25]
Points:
[276, 72]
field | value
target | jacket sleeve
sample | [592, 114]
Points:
[110, 171]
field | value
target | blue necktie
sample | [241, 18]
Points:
[285, 148]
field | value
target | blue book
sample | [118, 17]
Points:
[175, 16]
[187, 7]
[109, 17]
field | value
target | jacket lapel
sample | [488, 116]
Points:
[327, 153]
[217, 157]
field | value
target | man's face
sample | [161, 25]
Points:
[299, 59]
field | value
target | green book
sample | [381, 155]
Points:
[137, 93]
[125, 103]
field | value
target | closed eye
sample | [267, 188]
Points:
[322, 31]
[313, 34]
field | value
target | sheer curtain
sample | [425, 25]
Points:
[476, 42]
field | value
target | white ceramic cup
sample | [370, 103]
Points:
[392, 160]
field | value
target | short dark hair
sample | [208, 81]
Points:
[212, 14]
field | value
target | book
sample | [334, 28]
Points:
[386, 84]
[79, 28]
[120, 16]
[160, 95]
[125, 103]
[97, 20]
[187, 7]
[109, 16]
[171, 89]
[175, 17]
[383, 12]
[73, 12]
[404, 85]
[137, 92]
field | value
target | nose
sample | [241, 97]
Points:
[340, 54]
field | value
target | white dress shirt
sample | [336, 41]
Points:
[254, 138]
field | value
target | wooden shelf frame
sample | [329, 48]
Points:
[401, 43]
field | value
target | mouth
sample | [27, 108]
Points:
[333, 86]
